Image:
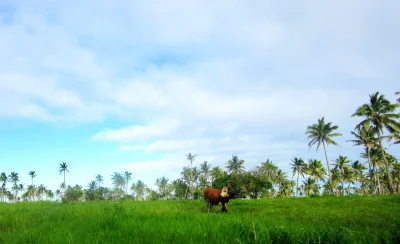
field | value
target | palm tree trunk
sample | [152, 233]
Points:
[370, 171]
[297, 184]
[33, 187]
[379, 182]
[342, 181]
[327, 163]
[390, 183]
[355, 186]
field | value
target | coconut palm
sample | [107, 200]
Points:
[63, 168]
[349, 178]
[139, 188]
[187, 174]
[205, 170]
[398, 99]
[358, 169]
[269, 169]
[377, 164]
[99, 180]
[396, 176]
[33, 174]
[127, 177]
[216, 173]
[40, 191]
[235, 165]
[298, 166]
[49, 194]
[119, 182]
[280, 178]
[191, 158]
[14, 178]
[21, 188]
[379, 113]
[162, 183]
[315, 169]
[92, 185]
[341, 164]
[365, 136]
[195, 176]
[30, 192]
[322, 133]
[3, 179]
[309, 186]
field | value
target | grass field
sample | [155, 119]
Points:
[365, 219]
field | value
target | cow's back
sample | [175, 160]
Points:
[212, 195]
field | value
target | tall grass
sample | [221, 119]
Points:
[314, 220]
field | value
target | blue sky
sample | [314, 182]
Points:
[135, 85]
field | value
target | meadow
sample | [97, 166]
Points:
[351, 219]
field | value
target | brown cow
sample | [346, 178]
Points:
[216, 196]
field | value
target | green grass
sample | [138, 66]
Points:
[314, 220]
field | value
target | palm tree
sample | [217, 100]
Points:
[321, 133]
[348, 177]
[235, 165]
[162, 183]
[139, 188]
[3, 178]
[21, 188]
[398, 99]
[377, 163]
[309, 186]
[341, 164]
[63, 168]
[358, 169]
[205, 170]
[195, 174]
[191, 158]
[14, 178]
[268, 168]
[32, 174]
[49, 194]
[365, 136]
[379, 113]
[119, 182]
[92, 185]
[298, 166]
[216, 173]
[315, 170]
[127, 177]
[99, 180]
[30, 192]
[40, 191]
[280, 178]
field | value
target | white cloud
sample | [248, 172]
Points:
[139, 132]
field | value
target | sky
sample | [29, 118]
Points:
[114, 86]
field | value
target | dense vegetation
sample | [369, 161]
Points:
[353, 219]
[376, 172]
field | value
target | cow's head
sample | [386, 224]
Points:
[224, 192]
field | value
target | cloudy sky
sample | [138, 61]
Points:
[109, 86]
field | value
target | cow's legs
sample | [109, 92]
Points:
[224, 210]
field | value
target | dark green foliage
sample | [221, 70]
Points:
[246, 182]
[222, 181]
[283, 220]
[72, 193]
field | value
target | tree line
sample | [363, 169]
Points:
[375, 172]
